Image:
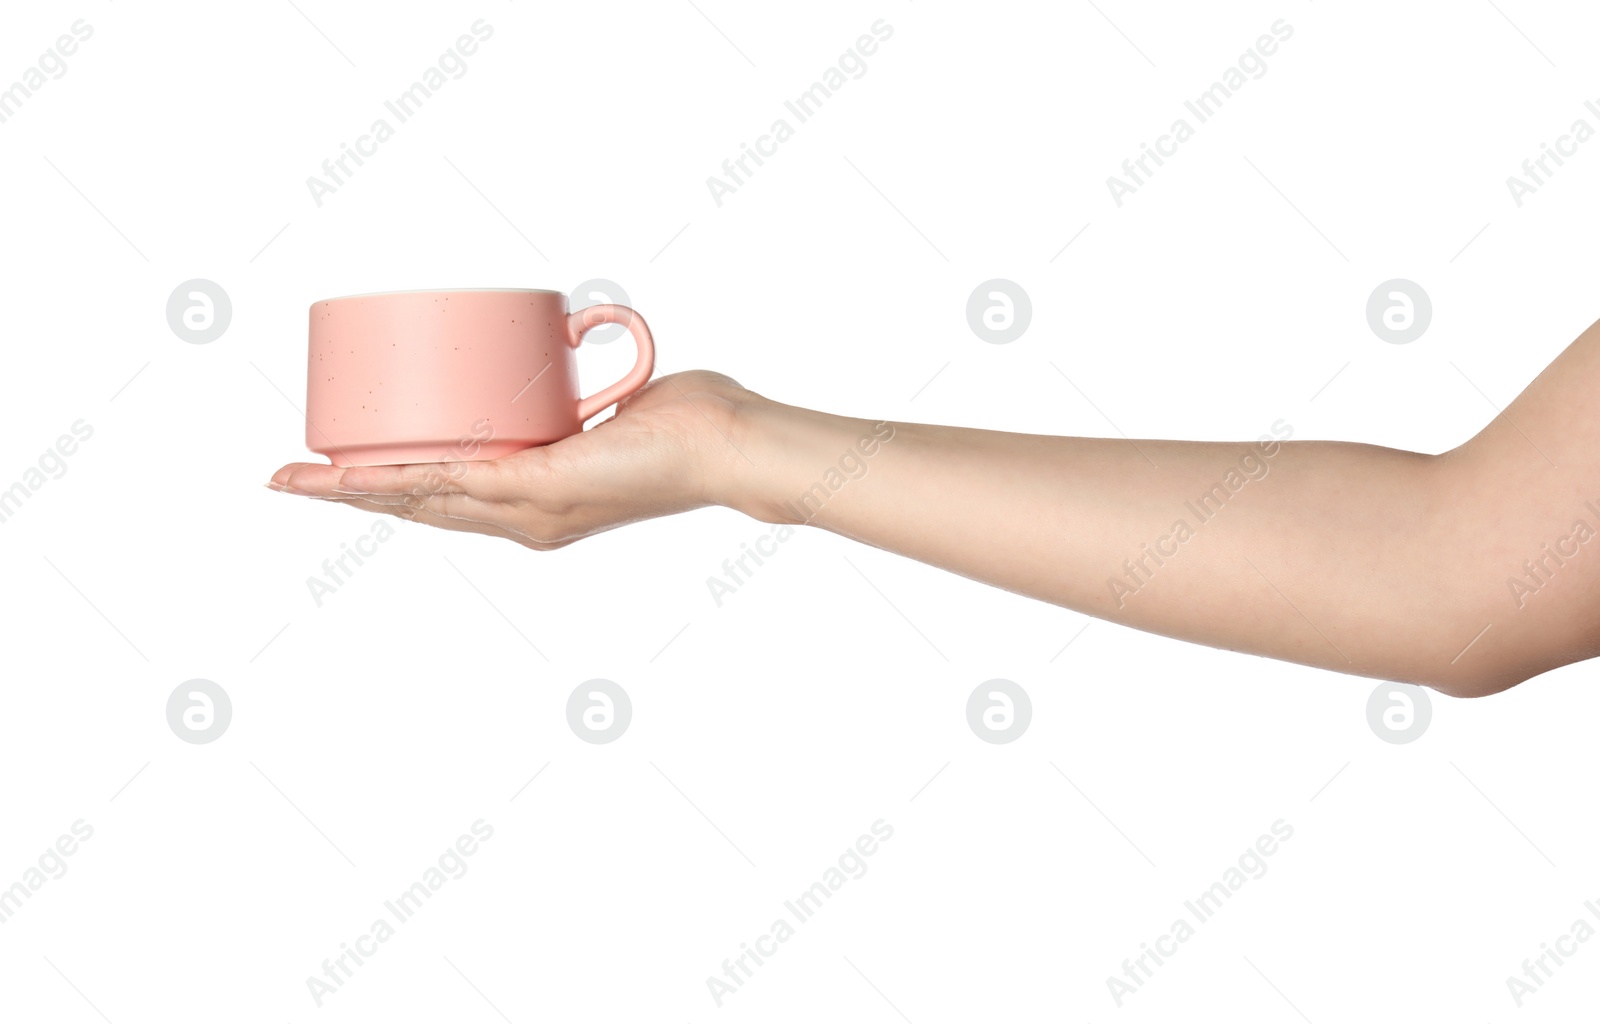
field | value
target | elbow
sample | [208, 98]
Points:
[1510, 604]
[1481, 683]
[1513, 653]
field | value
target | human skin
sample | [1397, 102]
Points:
[1350, 557]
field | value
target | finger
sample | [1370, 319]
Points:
[450, 506]
[430, 518]
[506, 479]
[315, 480]
[309, 479]
[419, 478]
[322, 480]
[280, 479]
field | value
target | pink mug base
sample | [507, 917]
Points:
[419, 452]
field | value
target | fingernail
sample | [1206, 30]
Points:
[274, 486]
[345, 490]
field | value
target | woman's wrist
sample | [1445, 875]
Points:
[743, 475]
[784, 464]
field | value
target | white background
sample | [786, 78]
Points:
[770, 732]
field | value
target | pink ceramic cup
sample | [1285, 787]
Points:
[447, 376]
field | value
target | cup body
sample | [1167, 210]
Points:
[439, 376]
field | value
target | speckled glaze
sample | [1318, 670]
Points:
[443, 376]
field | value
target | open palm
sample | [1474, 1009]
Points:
[652, 458]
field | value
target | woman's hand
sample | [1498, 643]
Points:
[668, 449]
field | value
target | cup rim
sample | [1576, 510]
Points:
[440, 291]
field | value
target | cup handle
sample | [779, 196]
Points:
[580, 322]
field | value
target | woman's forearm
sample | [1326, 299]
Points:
[1323, 553]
